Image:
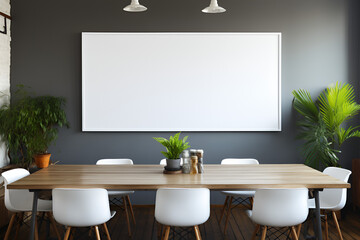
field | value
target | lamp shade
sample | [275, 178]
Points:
[214, 8]
[135, 6]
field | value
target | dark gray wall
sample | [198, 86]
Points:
[318, 48]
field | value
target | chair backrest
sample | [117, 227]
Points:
[115, 161]
[280, 207]
[336, 197]
[163, 162]
[182, 206]
[81, 207]
[17, 199]
[239, 161]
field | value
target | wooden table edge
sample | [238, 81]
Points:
[154, 186]
[151, 187]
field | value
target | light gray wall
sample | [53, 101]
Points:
[316, 45]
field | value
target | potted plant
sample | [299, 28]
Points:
[29, 125]
[174, 147]
[322, 123]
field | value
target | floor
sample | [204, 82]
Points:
[240, 227]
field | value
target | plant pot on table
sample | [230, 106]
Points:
[173, 164]
[42, 160]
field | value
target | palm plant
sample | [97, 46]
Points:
[174, 146]
[322, 123]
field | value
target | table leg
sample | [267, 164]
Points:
[318, 232]
[33, 216]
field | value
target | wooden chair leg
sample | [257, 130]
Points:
[263, 235]
[167, 232]
[251, 199]
[294, 236]
[197, 232]
[224, 207]
[257, 228]
[53, 224]
[97, 233]
[131, 209]
[127, 216]
[67, 233]
[107, 231]
[228, 215]
[326, 226]
[11, 223]
[337, 224]
[298, 230]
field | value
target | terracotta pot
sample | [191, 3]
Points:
[42, 160]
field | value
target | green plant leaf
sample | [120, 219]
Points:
[30, 124]
[174, 146]
[320, 126]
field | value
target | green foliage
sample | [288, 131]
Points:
[321, 126]
[174, 146]
[30, 124]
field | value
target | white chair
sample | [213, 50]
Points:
[81, 208]
[163, 162]
[182, 207]
[20, 201]
[118, 197]
[238, 197]
[332, 200]
[279, 208]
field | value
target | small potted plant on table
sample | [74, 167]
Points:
[174, 146]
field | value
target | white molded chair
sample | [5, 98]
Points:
[332, 200]
[279, 208]
[118, 196]
[81, 208]
[182, 207]
[163, 162]
[239, 197]
[20, 201]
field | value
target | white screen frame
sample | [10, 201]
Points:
[99, 126]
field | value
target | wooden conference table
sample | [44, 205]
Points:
[150, 177]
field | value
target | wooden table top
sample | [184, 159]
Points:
[150, 177]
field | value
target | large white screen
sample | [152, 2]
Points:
[181, 81]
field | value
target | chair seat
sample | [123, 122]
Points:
[249, 213]
[182, 207]
[323, 205]
[244, 194]
[81, 207]
[119, 193]
[279, 207]
[21, 200]
[43, 206]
